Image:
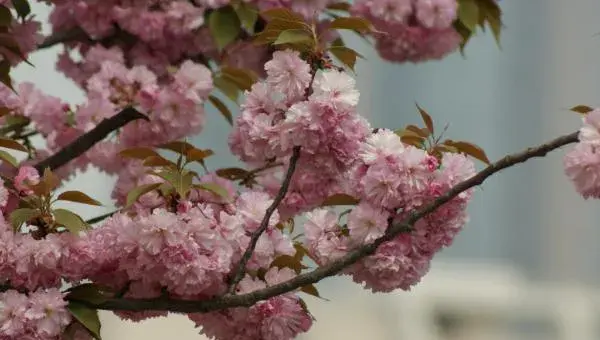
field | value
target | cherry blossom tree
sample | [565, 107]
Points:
[221, 245]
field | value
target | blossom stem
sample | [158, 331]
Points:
[241, 267]
[249, 299]
[80, 145]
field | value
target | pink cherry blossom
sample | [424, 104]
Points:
[581, 166]
[26, 177]
[590, 131]
[367, 223]
[288, 73]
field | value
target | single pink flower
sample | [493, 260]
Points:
[26, 177]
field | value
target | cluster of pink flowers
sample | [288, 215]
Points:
[291, 109]
[41, 314]
[174, 106]
[392, 180]
[281, 317]
[152, 55]
[582, 163]
[175, 109]
[414, 30]
[189, 253]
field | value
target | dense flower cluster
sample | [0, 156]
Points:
[291, 109]
[393, 179]
[281, 317]
[582, 163]
[165, 32]
[188, 253]
[184, 235]
[41, 314]
[174, 107]
[414, 30]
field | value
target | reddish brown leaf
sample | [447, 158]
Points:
[583, 109]
[138, 153]
[78, 197]
[426, 119]
[232, 173]
[157, 161]
[418, 131]
[470, 149]
[340, 199]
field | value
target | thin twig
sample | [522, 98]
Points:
[89, 139]
[241, 267]
[249, 299]
[100, 218]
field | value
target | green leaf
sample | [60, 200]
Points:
[181, 182]
[294, 36]
[346, 55]
[227, 87]
[468, 14]
[224, 26]
[243, 78]
[22, 7]
[184, 183]
[71, 221]
[583, 109]
[12, 144]
[87, 317]
[10, 159]
[340, 199]
[352, 23]
[90, 292]
[426, 119]
[5, 17]
[135, 193]
[214, 188]
[247, 14]
[219, 105]
[78, 197]
[22, 215]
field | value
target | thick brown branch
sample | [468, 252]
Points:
[74, 34]
[89, 139]
[318, 274]
[241, 267]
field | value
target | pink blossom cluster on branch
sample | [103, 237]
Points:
[195, 237]
[582, 163]
[414, 30]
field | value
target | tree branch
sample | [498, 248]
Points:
[89, 139]
[249, 299]
[241, 267]
[74, 34]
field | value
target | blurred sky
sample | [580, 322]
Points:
[503, 100]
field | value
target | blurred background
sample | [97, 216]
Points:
[526, 265]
